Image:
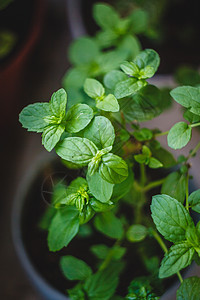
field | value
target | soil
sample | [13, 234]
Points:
[180, 26]
[47, 263]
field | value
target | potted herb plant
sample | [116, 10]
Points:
[126, 210]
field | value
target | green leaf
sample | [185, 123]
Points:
[130, 68]
[179, 257]
[188, 97]
[33, 116]
[112, 78]
[63, 228]
[78, 117]
[79, 54]
[174, 186]
[128, 87]
[108, 103]
[101, 251]
[77, 292]
[154, 163]
[186, 75]
[139, 21]
[100, 189]
[77, 150]
[109, 225]
[47, 217]
[74, 268]
[74, 78]
[194, 201]
[164, 156]
[170, 217]
[99, 206]
[113, 168]
[121, 189]
[144, 134]
[179, 135]
[101, 132]
[147, 58]
[93, 166]
[191, 117]
[142, 106]
[58, 103]
[105, 16]
[51, 136]
[93, 88]
[189, 289]
[136, 233]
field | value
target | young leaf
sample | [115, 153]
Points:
[33, 116]
[63, 228]
[170, 217]
[164, 156]
[74, 268]
[77, 150]
[179, 257]
[189, 289]
[148, 58]
[77, 292]
[100, 189]
[194, 201]
[109, 225]
[78, 117]
[174, 186]
[113, 168]
[51, 136]
[58, 103]
[101, 132]
[93, 88]
[128, 87]
[154, 163]
[112, 78]
[130, 68]
[136, 233]
[179, 135]
[108, 103]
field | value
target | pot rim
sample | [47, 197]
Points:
[39, 282]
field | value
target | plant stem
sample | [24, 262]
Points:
[194, 151]
[161, 133]
[164, 248]
[153, 184]
[142, 175]
[109, 256]
[195, 125]
[187, 192]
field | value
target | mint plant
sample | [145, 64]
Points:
[104, 139]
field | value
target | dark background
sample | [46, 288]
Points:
[45, 65]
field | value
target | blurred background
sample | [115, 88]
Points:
[36, 35]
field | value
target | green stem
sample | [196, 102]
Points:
[161, 133]
[164, 248]
[187, 192]
[153, 184]
[142, 175]
[193, 152]
[194, 125]
[109, 256]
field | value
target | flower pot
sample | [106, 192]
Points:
[35, 261]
